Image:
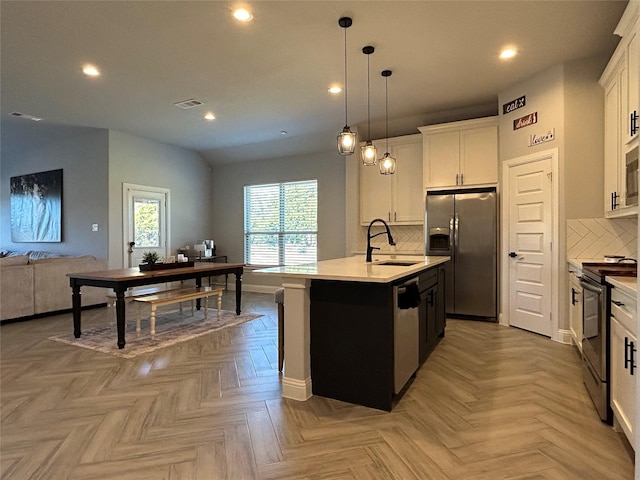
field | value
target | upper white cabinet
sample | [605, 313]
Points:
[460, 154]
[396, 198]
[621, 106]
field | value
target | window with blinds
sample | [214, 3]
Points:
[281, 223]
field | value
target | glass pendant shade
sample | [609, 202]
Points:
[387, 164]
[369, 154]
[346, 142]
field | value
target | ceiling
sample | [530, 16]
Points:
[272, 74]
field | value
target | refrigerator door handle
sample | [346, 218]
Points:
[456, 240]
[451, 234]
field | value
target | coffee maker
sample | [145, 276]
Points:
[209, 248]
[205, 248]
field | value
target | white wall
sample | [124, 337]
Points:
[227, 202]
[568, 99]
[584, 138]
[146, 162]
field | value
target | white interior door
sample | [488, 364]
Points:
[145, 223]
[530, 243]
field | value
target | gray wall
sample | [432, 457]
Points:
[145, 162]
[95, 164]
[227, 202]
[82, 154]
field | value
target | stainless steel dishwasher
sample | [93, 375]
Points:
[406, 333]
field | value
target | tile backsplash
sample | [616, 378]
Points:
[408, 238]
[587, 238]
[593, 238]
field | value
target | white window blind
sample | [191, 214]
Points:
[281, 223]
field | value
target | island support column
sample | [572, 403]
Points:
[296, 381]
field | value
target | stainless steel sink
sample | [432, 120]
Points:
[397, 263]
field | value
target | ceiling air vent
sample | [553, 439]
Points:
[189, 103]
[26, 116]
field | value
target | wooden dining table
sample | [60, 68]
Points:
[122, 279]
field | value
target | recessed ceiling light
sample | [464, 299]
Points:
[508, 53]
[242, 15]
[90, 71]
[335, 89]
[283, 132]
[209, 116]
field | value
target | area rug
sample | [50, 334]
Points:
[171, 328]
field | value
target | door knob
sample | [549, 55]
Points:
[513, 254]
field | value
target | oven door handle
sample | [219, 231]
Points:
[591, 287]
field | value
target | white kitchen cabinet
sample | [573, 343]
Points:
[620, 83]
[575, 307]
[396, 198]
[460, 154]
[623, 362]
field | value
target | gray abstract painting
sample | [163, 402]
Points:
[36, 207]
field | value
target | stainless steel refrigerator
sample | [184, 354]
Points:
[463, 225]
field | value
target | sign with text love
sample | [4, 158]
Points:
[525, 121]
[538, 139]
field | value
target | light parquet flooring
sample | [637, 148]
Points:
[491, 402]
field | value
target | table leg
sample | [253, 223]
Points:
[152, 322]
[238, 292]
[120, 316]
[76, 304]
[198, 285]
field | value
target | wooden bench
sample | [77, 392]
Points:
[177, 296]
[132, 294]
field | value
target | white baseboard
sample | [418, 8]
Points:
[563, 336]
[248, 287]
[296, 389]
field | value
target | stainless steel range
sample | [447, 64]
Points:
[595, 330]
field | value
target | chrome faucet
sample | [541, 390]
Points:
[370, 249]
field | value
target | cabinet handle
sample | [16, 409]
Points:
[573, 296]
[389, 215]
[457, 175]
[616, 302]
[395, 216]
[430, 299]
[462, 179]
[634, 123]
[614, 200]
[629, 355]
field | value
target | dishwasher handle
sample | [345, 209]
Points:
[408, 296]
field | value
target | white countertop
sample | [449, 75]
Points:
[576, 263]
[355, 269]
[626, 284]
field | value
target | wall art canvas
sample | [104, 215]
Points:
[36, 207]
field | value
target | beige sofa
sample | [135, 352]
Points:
[35, 286]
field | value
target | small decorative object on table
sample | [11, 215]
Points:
[150, 263]
[150, 257]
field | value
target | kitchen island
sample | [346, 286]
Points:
[339, 324]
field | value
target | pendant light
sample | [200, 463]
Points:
[346, 138]
[387, 162]
[368, 151]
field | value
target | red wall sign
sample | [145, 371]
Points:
[525, 121]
